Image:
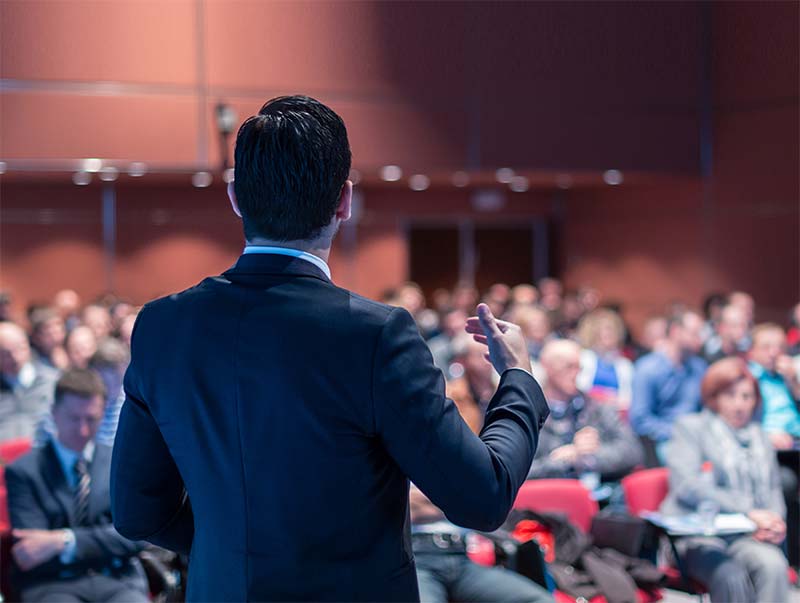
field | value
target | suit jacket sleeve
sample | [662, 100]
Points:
[473, 479]
[148, 498]
[24, 509]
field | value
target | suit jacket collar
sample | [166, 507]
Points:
[57, 481]
[250, 264]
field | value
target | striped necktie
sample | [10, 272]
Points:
[81, 492]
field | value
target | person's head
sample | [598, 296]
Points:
[290, 179]
[126, 328]
[471, 355]
[98, 319]
[733, 325]
[654, 332]
[602, 331]
[534, 322]
[80, 344]
[524, 295]
[685, 332]
[713, 305]
[47, 330]
[15, 351]
[550, 291]
[110, 361]
[78, 407]
[769, 343]
[119, 311]
[746, 302]
[410, 297]
[561, 361]
[730, 390]
[66, 302]
[465, 297]
[453, 322]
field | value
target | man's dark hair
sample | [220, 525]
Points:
[292, 160]
[81, 383]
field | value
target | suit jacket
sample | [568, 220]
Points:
[39, 497]
[271, 424]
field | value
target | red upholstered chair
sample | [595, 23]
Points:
[10, 450]
[645, 490]
[566, 496]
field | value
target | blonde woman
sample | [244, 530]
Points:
[606, 375]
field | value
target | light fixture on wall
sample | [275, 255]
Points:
[226, 123]
[391, 173]
[460, 179]
[519, 184]
[613, 177]
[81, 178]
[137, 169]
[504, 175]
[419, 182]
[202, 179]
[109, 173]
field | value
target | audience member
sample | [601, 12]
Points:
[476, 372]
[26, 386]
[80, 344]
[109, 362]
[793, 334]
[465, 298]
[445, 573]
[120, 310]
[67, 303]
[712, 309]
[66, 547]
[606, 375]
[666, 382]
[523, 295]
[535, 324]
[743, 478]
[580, 435]
[730, 337]
[98, 319]
[550, 292]
[778, 383]
[441, 346]
[654, 333]
[126, 328]
[47, 338]
[746, 303]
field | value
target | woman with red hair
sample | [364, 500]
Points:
[724, 441]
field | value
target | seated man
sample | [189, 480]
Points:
[580, 435]
[66, 547]
[26, 386]
[779, 384]
[666, 382]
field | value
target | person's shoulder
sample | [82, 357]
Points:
[178, 298]
[650, 363]
[692, 422]
[25, 465]
[363, 306]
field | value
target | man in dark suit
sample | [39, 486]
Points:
[273, 419]
[66, 547]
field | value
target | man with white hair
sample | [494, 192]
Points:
[26, 386]
[579, 435]
[731, 337]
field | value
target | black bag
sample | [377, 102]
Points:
[625, 533]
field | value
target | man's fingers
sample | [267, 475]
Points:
[488, 321]
[481, 339]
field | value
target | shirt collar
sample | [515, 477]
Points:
[68, 457]
[295, 253]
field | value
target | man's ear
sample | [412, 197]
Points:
[345, 202]
[232, 197]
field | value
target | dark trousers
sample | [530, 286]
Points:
[95, 588]
[446, 577]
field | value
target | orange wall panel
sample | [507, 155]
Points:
[56, 125]
[139, 41]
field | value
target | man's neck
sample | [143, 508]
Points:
[318, 247]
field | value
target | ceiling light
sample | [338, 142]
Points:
[564, 181]
[519, 184]
[612, 177]
[109, 174]
[419, 182]
[201, 179]
[92, 165]
[81, 178]
[460, 179]
[504, 175]
[227, 176]
[137, 169]
[391, 173]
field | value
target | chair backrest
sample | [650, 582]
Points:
[644, 490]
[566, 496]
[10, 450]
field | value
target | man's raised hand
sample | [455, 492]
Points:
[507, 348]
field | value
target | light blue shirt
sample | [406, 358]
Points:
[295, 253]
[780, 412]
[67, 458]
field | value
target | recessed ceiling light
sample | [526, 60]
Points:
[201, 179]
[391, 173]
[109, 174]
[137, 169]
[81, 178]
[612, 177]
[504, 175]
[419, 182]
[519, 184]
